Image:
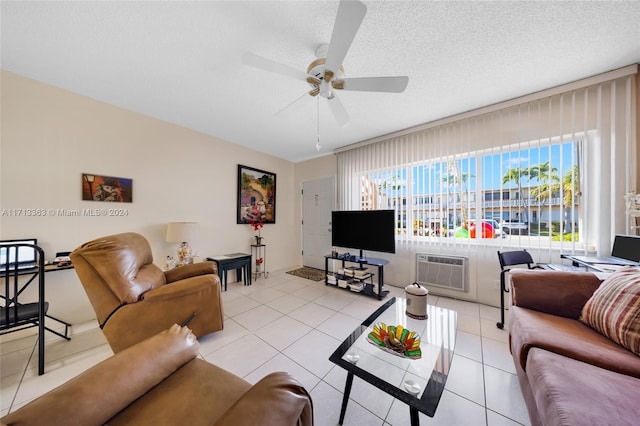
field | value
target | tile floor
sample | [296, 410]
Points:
[482, 388]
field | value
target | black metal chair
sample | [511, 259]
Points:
[16, 315]
[511, 258]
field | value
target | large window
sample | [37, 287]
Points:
[386, 189]
[535, 187]
[549, 170]
[541, 188]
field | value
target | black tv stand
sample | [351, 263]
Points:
[369, 288]
[353, 258]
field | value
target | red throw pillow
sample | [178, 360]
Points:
[614, 309]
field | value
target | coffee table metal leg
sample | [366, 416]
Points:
[345, 398]
[415, 420]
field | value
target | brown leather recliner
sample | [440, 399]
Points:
[160, 381]
[134, 299]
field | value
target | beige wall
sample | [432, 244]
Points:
[50, 136]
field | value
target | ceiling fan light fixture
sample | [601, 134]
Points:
[325, 89]
[317, 70]
[326, 72]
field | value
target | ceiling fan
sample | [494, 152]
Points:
[325, 75]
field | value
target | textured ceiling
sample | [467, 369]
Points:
[180, 61]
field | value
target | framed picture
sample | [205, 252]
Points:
[106, 188]
[256, 195]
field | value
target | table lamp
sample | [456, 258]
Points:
[182, 232]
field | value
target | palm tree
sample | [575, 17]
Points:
[549, 184]
[570, 186]
[453, 177]
[542, 172]
[571, 190]
[515, 174]
[394, 185]
[448, 179]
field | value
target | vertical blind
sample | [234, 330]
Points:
[560, 161]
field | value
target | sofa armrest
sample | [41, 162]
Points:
[193, 270]
[180, 288]
[277, 399]
[559, 293]
[99, 393]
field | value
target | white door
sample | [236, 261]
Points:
[318, 199]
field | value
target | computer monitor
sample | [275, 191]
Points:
[26, 256]
[626, 247]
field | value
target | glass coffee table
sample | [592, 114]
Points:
[417, 382]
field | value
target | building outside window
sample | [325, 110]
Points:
[537, 185]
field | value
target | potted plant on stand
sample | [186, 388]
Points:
[257, 226]
[257, 222]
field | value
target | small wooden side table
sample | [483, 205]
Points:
[241, 262]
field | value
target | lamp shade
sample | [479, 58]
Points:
[178, 232]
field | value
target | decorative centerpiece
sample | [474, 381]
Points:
[259, 262]
[396, 340]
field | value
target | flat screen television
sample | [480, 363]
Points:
[372, 230]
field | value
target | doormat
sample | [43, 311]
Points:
[312, 274]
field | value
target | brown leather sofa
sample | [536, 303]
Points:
[134, 299]
[160, 381]
[569, 373]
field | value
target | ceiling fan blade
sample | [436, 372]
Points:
[253, 60]
[348, 20]
[373, 84]
[338, 110]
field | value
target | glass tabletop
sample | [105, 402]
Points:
[418, 382]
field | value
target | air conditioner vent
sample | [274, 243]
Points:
[442, 271]
[446, 260]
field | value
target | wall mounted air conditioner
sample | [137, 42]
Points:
[443, 271]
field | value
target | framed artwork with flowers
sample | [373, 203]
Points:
[256, 197]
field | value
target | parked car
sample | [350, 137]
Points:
[497, 228]
[515, 227]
